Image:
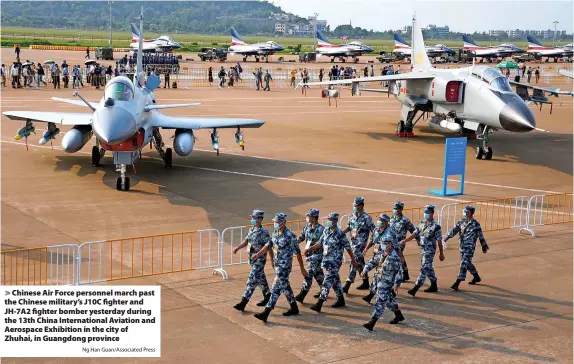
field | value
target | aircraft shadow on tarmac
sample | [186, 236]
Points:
[227, 198]
[535, 148]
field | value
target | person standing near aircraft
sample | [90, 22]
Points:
[429, 233]
[285, 245]
[221, 76]
[311, 234]
[381, 236]
[268, 79]
[401, 225]
[210, 76]
[257, 238]
[469, 231]
[360, 225]
[333, 242]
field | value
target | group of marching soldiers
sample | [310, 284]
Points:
[324, 248]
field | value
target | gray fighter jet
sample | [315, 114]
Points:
[125, 120]
[476, 100]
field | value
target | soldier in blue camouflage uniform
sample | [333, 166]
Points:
[257, 238]
[311, 234]
[360, 225]
[469, 232]
[284, 243]
[401, 225]
[333, 242]
[382, 235]
[429, 233]
[390, 276]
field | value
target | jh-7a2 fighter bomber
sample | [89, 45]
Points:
[476, 99]
[125, 120]
[264, 49]
[352, 49]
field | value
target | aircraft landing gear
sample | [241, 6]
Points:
[97, 154]
[123, 182]
[215, 140]
[484, 151]
[168, 158]
[405, 129]
[332, 60]
[244, 59]
[158, 144]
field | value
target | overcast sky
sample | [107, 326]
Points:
[460, 15]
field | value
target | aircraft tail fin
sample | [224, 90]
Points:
[533, 42]
[400, 42]
[236, 38]
[419, 58]
[139, 72]
[468, 42]
[135, 31]
[322, 41]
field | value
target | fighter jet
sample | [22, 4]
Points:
[566, 73]
[500, 51]
[162, 44]
[126, 119]
[352, 49]
[476, 99]
[258, 50]
[404, 49]
[536, 48]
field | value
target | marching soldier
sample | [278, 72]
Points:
[284, 243]
[255, 241]
[390, 276]
[382, 235]
[333, 242]
[401, 225]
[468, 230]
[429, 233]
[311, 235]
[360, 225]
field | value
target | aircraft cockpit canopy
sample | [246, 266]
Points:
[493, 77]
[119, 90]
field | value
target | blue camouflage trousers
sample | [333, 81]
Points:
[280, 286]
[332, 280]
[360, 258]
[375, 282]
[404, 268]
[385, 297]
[466, 255]
[427, 270]
[256, 279]
[315, 271]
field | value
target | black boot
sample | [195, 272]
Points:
[414, 290]
[317, 306]
[263, 315]
[455, 285]
[317, 295]
[475, 279]
[398, 317]
[340, 302]
[346, 287]
[371, 324]
[241, 305]
[406, 276]
[369, 297]
[365, 285]
[433, 287]
[294, 310]
[301, 296]
[264, 301]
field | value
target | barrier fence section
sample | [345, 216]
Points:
[51, 265]
[144, 256]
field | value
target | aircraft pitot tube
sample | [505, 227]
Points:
[25, 131]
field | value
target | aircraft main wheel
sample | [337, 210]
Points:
[119, 183]
[488, 153]
[127, 184]
[332, 60]
[244, 59]
[168, 158]
[95, 156]
[401, 127]
[479, 152]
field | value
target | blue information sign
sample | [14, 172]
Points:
[454, 164]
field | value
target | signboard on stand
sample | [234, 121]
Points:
[454, 164]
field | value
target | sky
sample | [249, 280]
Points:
[460, 15]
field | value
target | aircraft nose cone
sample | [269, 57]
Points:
[516, 116]
[113, 125]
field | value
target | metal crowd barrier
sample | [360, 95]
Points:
[145, 256]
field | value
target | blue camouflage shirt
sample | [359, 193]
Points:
[284, 246]
[387, 235]
[333, 244]
[256, 240]
[469, 231]
[401, 225]
[360, 228]
[428, 234]
[311, 235]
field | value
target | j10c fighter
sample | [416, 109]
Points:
[125, 120]
[476, 99]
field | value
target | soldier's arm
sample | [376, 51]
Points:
[398, 278]
[266, 248]
[242, 245]
[410, 237]
[438, 238]
[482, 239]
[455, 230]
[370, 265]
[302, 236]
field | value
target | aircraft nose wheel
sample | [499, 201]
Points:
[125, 186]
[484, 152]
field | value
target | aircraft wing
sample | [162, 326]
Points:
[400, 76]
[169, 106]
[551, 91]
[74, 102]
[566, 73]
[201, 122]
[62, 118]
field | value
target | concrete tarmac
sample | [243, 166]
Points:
[309, 155]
